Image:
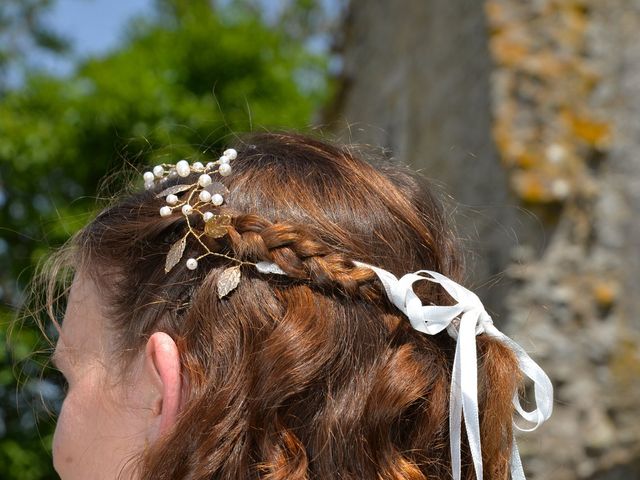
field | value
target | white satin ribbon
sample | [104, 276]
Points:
[463, 398]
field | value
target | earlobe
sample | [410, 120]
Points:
[162, 367]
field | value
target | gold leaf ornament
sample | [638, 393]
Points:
[218, 226]
[175, 254]
[228, 281]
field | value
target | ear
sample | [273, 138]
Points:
[162, 369]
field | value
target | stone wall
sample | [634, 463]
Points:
[566, 117]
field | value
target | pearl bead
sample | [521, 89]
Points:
[204, 180]
[217, 199]
[172, 199]
[173, 173]
[148, 177]
[148, 186]
[183, 168]
[207, 216]
[204, 196]
[158, 171]
[198, 166]
[231, 153]
[165, 211]
[224, 160]
[210, 165]
[225, 169]
[192, 264]
[187, 209]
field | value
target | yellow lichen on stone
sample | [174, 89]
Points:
[531, 187]
[544, 128]
[497, 12]
[595, 133]
[625, 362]
[528, 160]
[604, 293]
[574, 21]
[507, 49]
[546, 64]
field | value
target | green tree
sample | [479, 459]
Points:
[183, 81]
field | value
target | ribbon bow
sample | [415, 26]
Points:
[463, 398]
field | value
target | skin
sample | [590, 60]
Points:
[107, 419]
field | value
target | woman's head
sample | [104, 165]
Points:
[312, 374]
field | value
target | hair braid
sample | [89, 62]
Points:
[302, 256]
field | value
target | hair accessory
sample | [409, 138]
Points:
[196, 198]
[474, 320]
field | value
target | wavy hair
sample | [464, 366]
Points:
[313, 375]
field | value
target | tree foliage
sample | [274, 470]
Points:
[181, 83]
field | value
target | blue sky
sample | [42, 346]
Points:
[93, 26]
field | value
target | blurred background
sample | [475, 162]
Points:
[527, 114]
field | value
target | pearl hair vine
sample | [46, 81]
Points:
[463, 321]
[197, 198]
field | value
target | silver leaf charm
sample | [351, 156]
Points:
[216, 187]
[269, 267]
[228, 281]
[175, 254]
[173, 190]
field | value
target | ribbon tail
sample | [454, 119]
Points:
[543, 388]
[455, 415]
[517, 472]
[469, 386]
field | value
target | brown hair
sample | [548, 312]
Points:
[312, 375]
